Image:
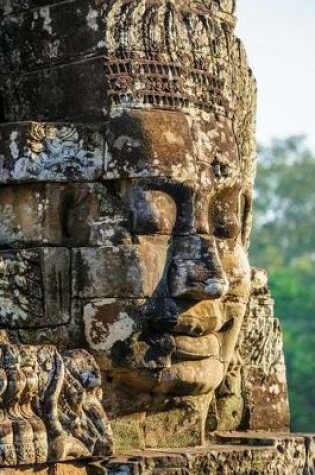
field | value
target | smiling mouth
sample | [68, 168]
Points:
[192, 348]
[195, 333]
[200, 320]
[193, 340]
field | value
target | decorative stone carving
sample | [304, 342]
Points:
[238, 454]
[125, 215]
[37, 152]
[34, 287]
[50, 406]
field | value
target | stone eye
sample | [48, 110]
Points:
[220, 170]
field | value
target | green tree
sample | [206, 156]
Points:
[284, 243]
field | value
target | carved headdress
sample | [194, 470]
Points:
[181, 54]
[176, 54]
[168, 54]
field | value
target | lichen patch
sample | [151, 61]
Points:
[102, 333]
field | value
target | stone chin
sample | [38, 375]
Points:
[186, 378]
[190, 378]
[189, 361]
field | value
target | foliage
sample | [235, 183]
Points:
[284, 242]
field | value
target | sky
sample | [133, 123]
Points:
[279, 36]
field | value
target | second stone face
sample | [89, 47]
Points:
[60, 215]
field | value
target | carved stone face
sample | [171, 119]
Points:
[180, 274]
[139, 258]
[124, 223]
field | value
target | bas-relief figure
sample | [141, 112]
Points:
[124, 231]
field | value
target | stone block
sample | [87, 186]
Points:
[195, 266]
[34, 287]
[22, 210]
[178, 426]
[128, 432]
[175, 427]
[46, 152]
[260, 455]
[61, 215]
[46, 35]
[195, 247]
[70, 469]
[62, 336]
[266, 394]
[53, 469]
[112, 271]
[253, 454]
[127, 271]
[264, 382]
[264, 375]
[25, 471]
[71, 93]
[154, 143]
[110, 320]
[15, 6]
[95, 216]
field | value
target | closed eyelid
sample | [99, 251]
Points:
[164, 208]
[153, 212]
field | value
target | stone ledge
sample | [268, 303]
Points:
[236, 454]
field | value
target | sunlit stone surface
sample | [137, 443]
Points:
[131, 317]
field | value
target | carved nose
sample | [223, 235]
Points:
[195, 271]
[216, 288]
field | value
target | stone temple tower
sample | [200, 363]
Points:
[135, 336]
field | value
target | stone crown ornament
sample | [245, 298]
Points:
[167, 54]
